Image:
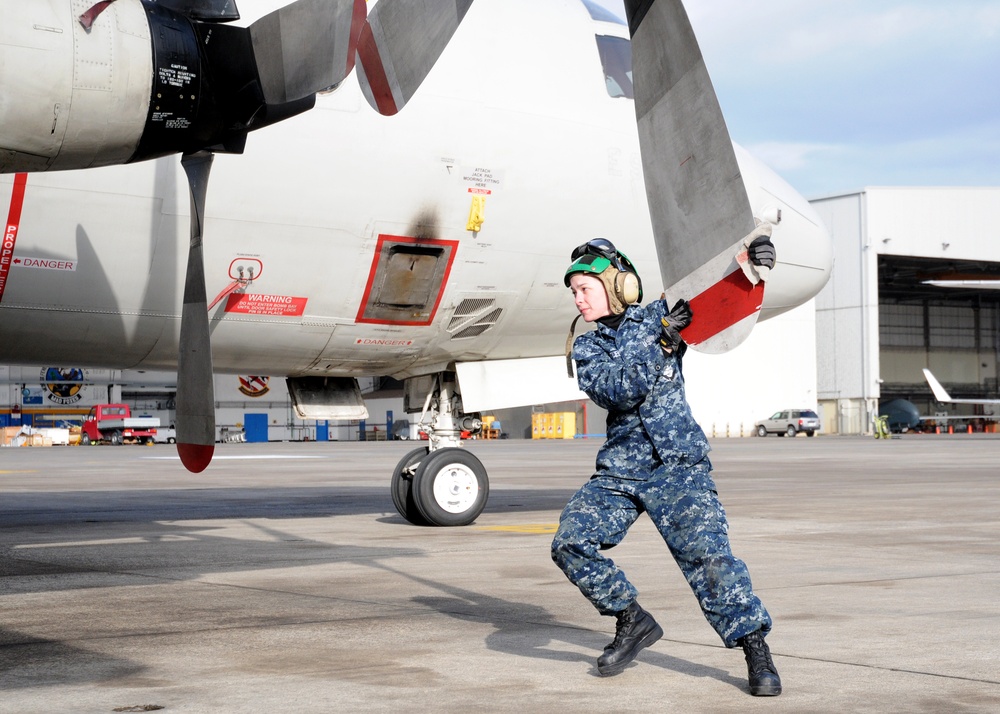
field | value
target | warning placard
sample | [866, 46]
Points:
[481, 181]
[382, 342]
[45, 263]
[256, 304]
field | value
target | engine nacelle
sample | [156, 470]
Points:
[143, 80]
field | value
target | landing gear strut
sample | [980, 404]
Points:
[441, 484]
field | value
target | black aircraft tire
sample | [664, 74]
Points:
[402, 488]
[451, 487]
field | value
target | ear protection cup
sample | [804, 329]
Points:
[627, 288]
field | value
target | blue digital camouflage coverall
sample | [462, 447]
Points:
[655, 460]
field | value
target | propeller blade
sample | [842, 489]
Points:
[305, 47]
[399, 44]
[693, 182]
[697, 200]
[195, 385]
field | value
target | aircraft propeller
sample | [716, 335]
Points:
[299, 49]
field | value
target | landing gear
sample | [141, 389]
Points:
[451, 487]
[441, 484]
[402, 487]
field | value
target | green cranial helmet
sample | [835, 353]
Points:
[590, 264]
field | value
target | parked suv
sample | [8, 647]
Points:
[789, 421]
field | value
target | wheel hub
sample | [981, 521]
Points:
[456, 488]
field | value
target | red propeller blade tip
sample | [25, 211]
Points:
[195, 457]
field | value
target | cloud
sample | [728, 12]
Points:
[840, 94]
[790, 156]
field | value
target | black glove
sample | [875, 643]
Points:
[678, 318]
[761, 252]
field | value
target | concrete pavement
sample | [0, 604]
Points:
[281, 579]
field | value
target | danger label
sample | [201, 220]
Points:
[45, 264]
[255, 304]
[382, 342]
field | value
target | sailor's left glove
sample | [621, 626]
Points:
[761, 252]
[676, 320]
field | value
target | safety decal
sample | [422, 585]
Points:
[45, 264]
[10, 229]
[382, 342]
[256, 304]
[481, 181]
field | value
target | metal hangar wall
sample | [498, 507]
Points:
[916, 284]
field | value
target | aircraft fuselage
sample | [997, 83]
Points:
[349, 241]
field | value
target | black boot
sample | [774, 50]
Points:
[636, 630]
[764, 679]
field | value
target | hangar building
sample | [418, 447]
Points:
[916, 284]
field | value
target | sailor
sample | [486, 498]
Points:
[654, 461]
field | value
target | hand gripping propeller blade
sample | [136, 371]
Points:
[195, 386]
[399, 44]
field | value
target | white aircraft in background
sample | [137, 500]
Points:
[427, 244]
[941, 394]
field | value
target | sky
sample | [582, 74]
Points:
[838, 95]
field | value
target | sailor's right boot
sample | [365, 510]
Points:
[764, 679]
[636, 630]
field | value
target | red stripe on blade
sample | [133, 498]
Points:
[721, 306]
[195, 457]
[378, 82]
[358, 24]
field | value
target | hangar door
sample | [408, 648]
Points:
[940, 314]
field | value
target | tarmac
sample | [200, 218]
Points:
[282, 580]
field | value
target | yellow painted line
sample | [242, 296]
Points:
[25, 471]
[537, 528]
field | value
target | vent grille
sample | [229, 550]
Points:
[473, 317]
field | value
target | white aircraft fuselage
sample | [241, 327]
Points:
[347, 234]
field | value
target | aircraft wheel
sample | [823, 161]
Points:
[84, 440]
[116, 438]
[791, 431]
[450, 487]
[402, 488]
[761, 431]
